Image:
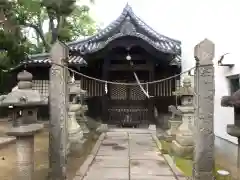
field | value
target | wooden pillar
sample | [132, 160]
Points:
[58, 100]
[203, 164]
[105, 73]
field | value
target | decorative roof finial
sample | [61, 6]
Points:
[128, 7]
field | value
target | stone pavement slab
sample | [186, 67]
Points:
[149, 168]
[113, 151]
[111, 162]
[107, 174]
[153, 178]
[145, 155]
[128, 156]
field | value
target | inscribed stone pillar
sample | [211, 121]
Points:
[58, 95]
[203, 165]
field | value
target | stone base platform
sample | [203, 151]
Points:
[182, 151]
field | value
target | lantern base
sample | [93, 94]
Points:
[26, 130]
[171, 133]
[173, 127]
[182, 151]
[183, 145]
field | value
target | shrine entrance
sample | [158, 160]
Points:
[131, 60]
[127, 105]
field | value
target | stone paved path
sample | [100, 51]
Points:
[128, 156]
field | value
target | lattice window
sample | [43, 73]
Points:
[45, 88]
[37, 85]
[138, 115]
[42, 86]
[136, 93]
[118, 92]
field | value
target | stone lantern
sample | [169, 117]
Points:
[183, 144]
[233, 129]
[75, 133]
[24, 103]
[81, 119]
[174, 122]
[232, 101]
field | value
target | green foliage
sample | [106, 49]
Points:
[59, 7]
[12, 42]
[13, 49]
[66, 20]
[81, 24]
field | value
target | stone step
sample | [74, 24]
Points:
[6, 140]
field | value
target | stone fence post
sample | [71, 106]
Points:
[203, 165]
[58, 101]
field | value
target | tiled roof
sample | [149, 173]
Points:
[44, 59]
[127, 24]
[136, 28]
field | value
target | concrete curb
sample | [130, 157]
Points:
[6, 140]
[87, 163]
[179, 175]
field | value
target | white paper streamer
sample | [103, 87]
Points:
[106, 88]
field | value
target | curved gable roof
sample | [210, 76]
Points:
[127, 24]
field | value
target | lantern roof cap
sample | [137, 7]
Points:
[23, 95]
[76, 89]
[186, 89]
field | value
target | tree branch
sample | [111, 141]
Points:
[40, 33]
[54, 29]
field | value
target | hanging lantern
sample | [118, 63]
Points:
[128, 57]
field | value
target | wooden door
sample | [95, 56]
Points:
[127, 104]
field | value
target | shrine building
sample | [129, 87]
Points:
[107, 55]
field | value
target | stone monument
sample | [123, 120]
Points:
[24, 102]
[174, 122]
[203, 163]
[58, 105]
[75, 133]
[183, 145]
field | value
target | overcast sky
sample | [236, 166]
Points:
[175, 17]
